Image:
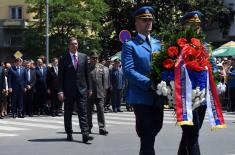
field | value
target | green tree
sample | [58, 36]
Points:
[81, 19]
[167, 14]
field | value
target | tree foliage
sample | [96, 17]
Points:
[81, 19]
[167, 14]
[97, 23]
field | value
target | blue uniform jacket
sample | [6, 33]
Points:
[136, 63]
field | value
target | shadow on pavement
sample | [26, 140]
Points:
[55, 140]
[93, 133]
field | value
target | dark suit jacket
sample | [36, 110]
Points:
[32, 80]
[16, 81]
[2, 78]
[52, 79]
[73, 82]
[41, 78]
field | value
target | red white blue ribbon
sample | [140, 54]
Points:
[183, 95]
[214, 110]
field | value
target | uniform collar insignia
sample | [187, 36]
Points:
[139, 39]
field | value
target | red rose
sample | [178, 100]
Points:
[188, 53]
[198, 53]
[172, 51]
[181, 42]
[168, 63]
[196, 42]
[203, 54]
[194, 65]
[203, 63]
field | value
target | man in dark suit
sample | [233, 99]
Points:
[52, 86]
[16, 86]
[2, 105]
[98, 93]
[41, 87]
[30, 76]
[74, 87]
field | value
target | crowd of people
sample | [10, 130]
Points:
[30, 88]
[226, 78]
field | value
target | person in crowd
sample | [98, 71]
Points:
[74, 87]
[52, 83]
[117, 85]
[108, 92]
[231, 85]
[5, 94]
[136, 64]
[30, 76]
[2, 105]
[16, 85]
[98, 93]
[41, 87]
[7, 68]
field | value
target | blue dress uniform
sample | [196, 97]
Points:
[189, 142]
[136, 63]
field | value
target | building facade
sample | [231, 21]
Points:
[215, 35]
[13, 21]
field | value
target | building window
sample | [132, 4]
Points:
[16, 12]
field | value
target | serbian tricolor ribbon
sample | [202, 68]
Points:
[183, 98]
[214, 110]
[183, 94]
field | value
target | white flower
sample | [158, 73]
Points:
[159, 92]
[163, 83]
[195, 105]
[164, 91]
[172, 83]
[169, 90]
[202, 100]
[203, 94]
[159, 86]
[169, 97]
[197, 99]
[193, 94]
[197, 91]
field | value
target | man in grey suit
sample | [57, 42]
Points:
[74, 87]
[98, 93]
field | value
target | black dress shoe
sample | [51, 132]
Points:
[86, 138]
[58, 114]
[119, 110]
[69, 137]
[89, 131]
[20, 115]
[13, 115]
[103, 132]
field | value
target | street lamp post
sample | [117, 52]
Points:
[47, 32]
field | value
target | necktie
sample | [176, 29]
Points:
[41, 70]
[28, 75]
[56, 70]
[75, 61]
[6, 83]
[18, 70]
[148, 41]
